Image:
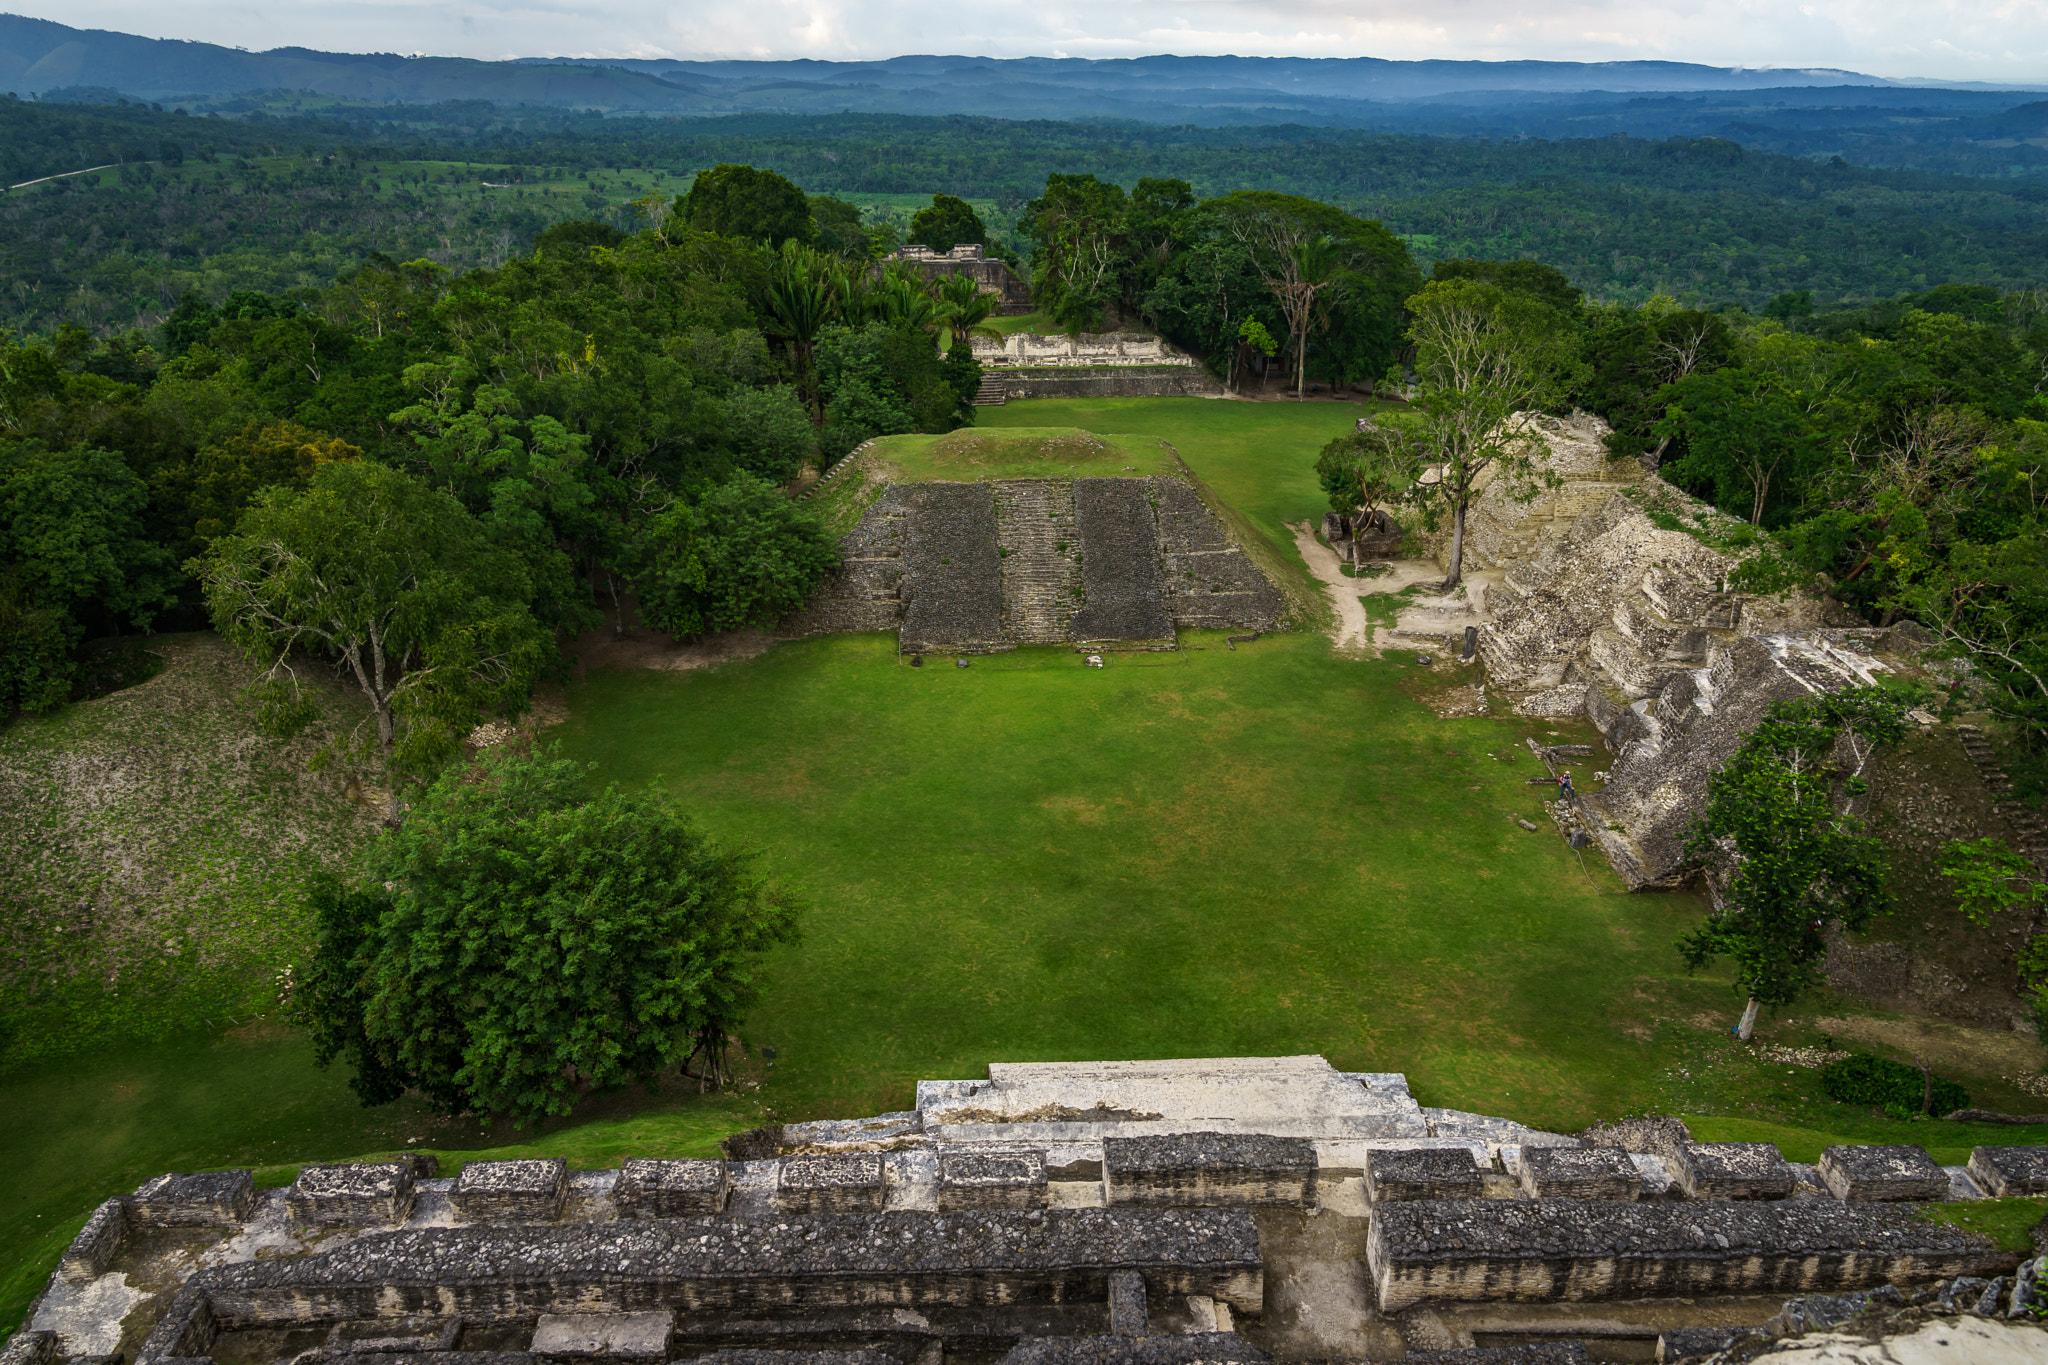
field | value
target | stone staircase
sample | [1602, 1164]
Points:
[1039, 547]
[2030, 831]
[992, 393]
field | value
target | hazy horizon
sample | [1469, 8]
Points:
[1998, 42]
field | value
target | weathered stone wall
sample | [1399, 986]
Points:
[1120, 382]
[952, 574]
[1509, 522]
[1121, 595]
[1030, 350]
[993, 275]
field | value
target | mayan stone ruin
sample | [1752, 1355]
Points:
[974, 568]
[1228, 1209]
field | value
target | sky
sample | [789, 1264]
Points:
[1990, 40]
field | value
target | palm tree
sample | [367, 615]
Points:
[799, 305]
[963, 310]
[1311, 281]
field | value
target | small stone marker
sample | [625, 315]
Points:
[972, 1179]
[1525, 824]
[1471, 642]
[848, 1183]
[1579, 1173]
[1422, 1173]
[209, 1199]
[604, 1336]
[1208, 1170]
[1896, 1171]
[650, 1188]
[1424, 660]
[528, 1190]
[2005, 1171]
[959, 663]
[1735, 1170]
[357, 1195]
[1095, 661]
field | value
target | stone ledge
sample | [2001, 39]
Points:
[650, 1188]
[1735, 1170]
[97, 1243]
[1890, 1172]
[1567, 1249]
[354, 1195]
[528, 1189]
[1193, 1169]
[1579, 1173]
[973, 1179]
[209, 1199]
[850, 1182]
[2005, 1171]
[1198, 1348]
[1426, 1173]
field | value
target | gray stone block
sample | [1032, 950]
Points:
[1568, 1249]
[2003, 1171]
[1528, 1353]
[29, 1348]
[1198, 1169]
[394, 1336]
[649, 1188]
[1120, 576]
[424, 1165]
[352, 1196]
[1896, 1171]
[526, 1190]
[1679, 1344]
[1579, 1173]
[1129, 1316]
[1196, 1348]
[1735, 1170]
[208, 1199]
[851, 1182]
[971, 1179]
[621, 1337]
[97, 1243]
[1422, 1173]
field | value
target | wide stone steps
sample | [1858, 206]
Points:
[1039, 548]
[992, 393]
[2030, 831]
[1123, 596]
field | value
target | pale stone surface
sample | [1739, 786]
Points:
[1896, 1171]
[2003, 1171]
[604, 1336]
[1735, 1170]
[1950, 1341]
[87, 1317]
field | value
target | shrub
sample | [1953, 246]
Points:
[1864, 1079]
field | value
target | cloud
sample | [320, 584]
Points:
[1948, 39]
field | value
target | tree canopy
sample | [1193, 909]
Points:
[946, 223]
[745, 201]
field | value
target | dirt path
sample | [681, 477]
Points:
[1322, 561]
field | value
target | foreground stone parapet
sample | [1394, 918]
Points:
[618, 1338]
[2005, 1171]
[1567, 1249]
[649, 1188]
[1580, 1173]
[352, 1196]
[29, 1348]
[1197, 1348]
[917, 1261]
[528, 1190]
[854, 1182]
[1208, 1169]
[209, 1199]
[970, 1179]
[1735, 1170]
[1893, 1172]
[1422, 1173]
[797, 1358]
[395, 1336]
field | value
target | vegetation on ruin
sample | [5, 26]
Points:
[1019, 453]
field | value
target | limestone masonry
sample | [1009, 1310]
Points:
[971, 568]
[1227, 1209]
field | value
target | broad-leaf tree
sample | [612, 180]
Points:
[521, 942]
[744, 555]
[945, 223]
[1779, 824]
[745, 201]
[1485, 359]
[398, 587]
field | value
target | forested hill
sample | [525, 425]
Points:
[214, 204]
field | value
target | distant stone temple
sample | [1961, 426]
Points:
[1237, 1209]
[994, 276]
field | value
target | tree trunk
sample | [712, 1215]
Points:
[1748, 1025]
[1457, 574]
[387, 740]
[1301, 360]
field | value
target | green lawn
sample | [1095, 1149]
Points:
[1020, 453]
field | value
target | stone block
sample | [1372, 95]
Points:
[1528, 1353]
[29, 1348]
[649, 1188]
[1422, 1173]
[96, 1244]
[394, 1336]
[609, 1337]
[1735, 1170]
[1208, 1169]
[1579, 1173]
[971, 1179]
[358, 1195]
[1129, 1316]
[208, 1199]
[1677, 1344]
[527, 1190]
[1197, 1348]
[1897, 1171]
[424, 1165]
[850, 1182]
[1570, 1249]
[2004, 1171]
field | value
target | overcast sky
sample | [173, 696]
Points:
[1993, 40]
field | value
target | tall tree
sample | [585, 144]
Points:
[520, 942]
[744, 201]
[396, 585]
[1780, 824]
[1485, 359]
[945, 223]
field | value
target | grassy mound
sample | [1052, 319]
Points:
[974, 453]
